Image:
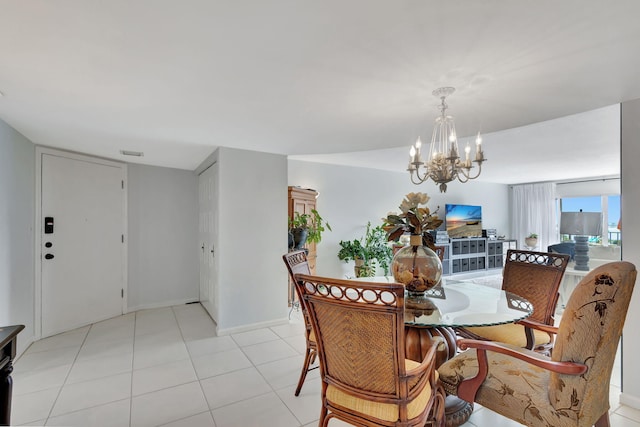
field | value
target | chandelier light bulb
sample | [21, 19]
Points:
[478, 139]
[412, 151]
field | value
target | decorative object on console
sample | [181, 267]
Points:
[417, 266]
[442, 236]
[531, 241]
[490, 233]
[581, 225]
[443, 163]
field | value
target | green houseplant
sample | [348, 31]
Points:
[307, 228]
[367, 252]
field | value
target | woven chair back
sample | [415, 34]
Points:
[535, 276]
[360, 333]
[297, 263]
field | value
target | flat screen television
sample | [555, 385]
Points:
[463, 220]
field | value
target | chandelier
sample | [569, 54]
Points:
[443, 163]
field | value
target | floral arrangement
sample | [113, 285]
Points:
[414, 219]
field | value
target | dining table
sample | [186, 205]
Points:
[435, 314]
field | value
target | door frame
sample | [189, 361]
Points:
[40, 151]
[214, 243]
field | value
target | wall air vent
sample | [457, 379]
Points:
[132, 153]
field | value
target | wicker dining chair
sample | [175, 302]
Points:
[535, 276]
[366, 379]
[296, 262]
[568, 389]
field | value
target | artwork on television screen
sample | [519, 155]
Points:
[463, 221]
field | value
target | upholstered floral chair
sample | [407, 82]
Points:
[570, 388]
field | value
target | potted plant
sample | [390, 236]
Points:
[531, 240]
[367, 252]
[417, 266]
[307, 228]
[414, 220]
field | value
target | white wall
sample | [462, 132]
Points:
[163, 234]
[252, 238]
[349, 197]
[630, 153]
[17, 210]
[588, 188]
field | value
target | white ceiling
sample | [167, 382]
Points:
[327, 79]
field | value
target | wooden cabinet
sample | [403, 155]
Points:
[303, 200]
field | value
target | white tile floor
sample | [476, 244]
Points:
[166, 367]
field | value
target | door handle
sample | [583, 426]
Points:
[48, 256]
[212, 251]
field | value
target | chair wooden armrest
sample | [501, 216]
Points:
[468, 388]
[529, 323]
[428, 361]
[425, 372]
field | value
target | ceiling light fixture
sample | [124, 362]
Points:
[443, 164]
[132, 153]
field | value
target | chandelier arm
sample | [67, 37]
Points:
[420, 179]
[466, 173]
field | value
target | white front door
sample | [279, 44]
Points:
[82, 251]
[208, 234]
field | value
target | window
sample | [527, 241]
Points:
[609, 205]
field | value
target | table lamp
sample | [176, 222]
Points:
[581, 225]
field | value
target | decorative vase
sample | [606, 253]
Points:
[361, 269]
[292, 242]
[531, 242]
[417, 267]
[300, 237]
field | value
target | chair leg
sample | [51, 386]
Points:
[324, 420]
[438, 407]
[305, 369]
[603, 421]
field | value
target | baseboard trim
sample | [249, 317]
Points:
[631, 401]
[161, 304]
[251, 326]
[23, 346]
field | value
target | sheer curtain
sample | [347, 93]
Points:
[533, 210]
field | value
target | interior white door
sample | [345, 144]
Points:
[82, 271]
[208, 233]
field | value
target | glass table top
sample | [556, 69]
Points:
[455, 303]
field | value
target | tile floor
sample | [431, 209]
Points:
[166, 367]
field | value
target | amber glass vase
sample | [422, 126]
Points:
[417, 267]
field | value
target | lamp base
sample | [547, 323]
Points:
[582, 253]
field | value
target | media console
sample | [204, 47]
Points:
[465, 255]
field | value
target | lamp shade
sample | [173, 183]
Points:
[581, 223]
